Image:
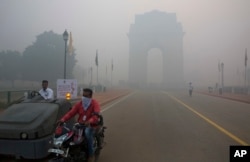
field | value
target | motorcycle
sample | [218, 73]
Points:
[70, 145]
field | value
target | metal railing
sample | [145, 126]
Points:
[8, 97]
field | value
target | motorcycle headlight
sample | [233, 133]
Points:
[58, 141]
[68, 96]
[23, 135]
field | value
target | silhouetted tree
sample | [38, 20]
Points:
[10, 65]
[45, 58]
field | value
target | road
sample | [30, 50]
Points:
[173, 127]
[161, 126]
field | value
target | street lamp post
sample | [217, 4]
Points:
[65, 37]
[222, 76]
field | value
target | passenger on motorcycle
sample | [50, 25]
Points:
[87, 110]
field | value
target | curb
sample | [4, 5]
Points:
[112, 99]
[225, 97]
[103, 103]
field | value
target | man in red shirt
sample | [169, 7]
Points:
[87, 110]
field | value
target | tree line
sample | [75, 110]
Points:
[44, 59]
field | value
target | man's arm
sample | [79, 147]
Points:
[71, 113]
[42, 93]
[94, 117]
[50, 94]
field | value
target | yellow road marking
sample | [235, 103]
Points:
[237, 139]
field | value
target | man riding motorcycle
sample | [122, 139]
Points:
[88, 110]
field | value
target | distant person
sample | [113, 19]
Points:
[46, 92]
[190, 89]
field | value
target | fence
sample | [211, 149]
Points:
[231, 89]
[7, 97]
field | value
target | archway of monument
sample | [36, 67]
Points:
[158, 30]
[154, 68]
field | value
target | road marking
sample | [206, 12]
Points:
[122, 99]
[231, 135]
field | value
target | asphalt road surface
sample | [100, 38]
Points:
[161, 126]
[173, 127]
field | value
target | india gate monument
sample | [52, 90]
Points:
[159, 30]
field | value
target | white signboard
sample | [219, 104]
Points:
[66, 86]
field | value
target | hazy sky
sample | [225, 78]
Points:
[214, 30]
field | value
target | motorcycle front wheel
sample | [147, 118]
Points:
[60, 160]
[56, 160]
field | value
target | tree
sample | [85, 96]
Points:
[10, 65]
[45, 58]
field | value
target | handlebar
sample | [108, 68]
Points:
[80, 125]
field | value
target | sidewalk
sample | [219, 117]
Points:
[230, 96]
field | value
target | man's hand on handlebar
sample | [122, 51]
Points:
[86, 123]
[59, 123]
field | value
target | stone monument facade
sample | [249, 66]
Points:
[160, 30]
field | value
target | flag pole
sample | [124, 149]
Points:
[219, 69]
[112, 66]
[246, 68]
[111, 78]
[245, 76]
[96, 62]
[91, 72]
[106, 77]
[222, 77]
[97, 76]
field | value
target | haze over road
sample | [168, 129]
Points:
[161, 126]
[158, 126]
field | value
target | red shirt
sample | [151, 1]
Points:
[89, 113]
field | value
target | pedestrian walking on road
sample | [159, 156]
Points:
[190, 89]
